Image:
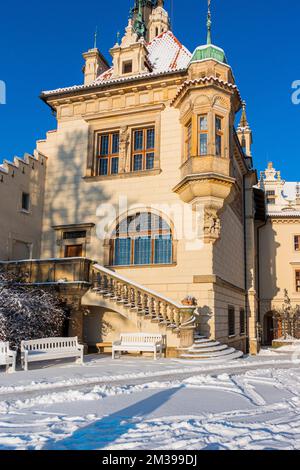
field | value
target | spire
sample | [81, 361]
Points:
[95, 37]
[139, 24]
[209, 51]
[244, 121]
[244, 132]
[208, 24]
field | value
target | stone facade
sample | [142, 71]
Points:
[22, 186]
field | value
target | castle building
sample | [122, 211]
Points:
[151, 211]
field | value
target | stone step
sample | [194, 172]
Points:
[215, 359]
[206, 344]
[200, 350]
[203, 340]
[209, 353]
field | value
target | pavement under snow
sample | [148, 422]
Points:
[135, 403]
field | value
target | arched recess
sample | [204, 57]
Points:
[141, 237]
[103, 325]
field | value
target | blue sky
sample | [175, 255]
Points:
[41, 45]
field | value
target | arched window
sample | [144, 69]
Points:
[140, 240]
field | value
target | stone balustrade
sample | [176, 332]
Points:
[144, 301]
[50, 271]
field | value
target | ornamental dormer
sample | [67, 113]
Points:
[131, 56]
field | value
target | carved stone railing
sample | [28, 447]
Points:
[145, 302]
[206, 165]
[51, 271]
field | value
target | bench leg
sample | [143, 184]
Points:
[25, 364]
[79, 360]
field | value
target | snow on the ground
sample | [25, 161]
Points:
[102, 370]
[250, 409]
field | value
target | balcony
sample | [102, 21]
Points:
[60, 271]
[209, 164]
[206, 177]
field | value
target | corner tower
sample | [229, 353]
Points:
[208, 102]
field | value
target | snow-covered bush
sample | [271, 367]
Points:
[28, 312]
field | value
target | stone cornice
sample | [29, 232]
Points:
[213, 279]
[213, 177]
[205, 81]
[284, 220]
[113, 86]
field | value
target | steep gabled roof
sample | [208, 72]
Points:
[166, 55]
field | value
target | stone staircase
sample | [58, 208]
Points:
[157, 313]
[146, 308]
[205, 349]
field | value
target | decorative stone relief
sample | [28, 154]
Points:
[212, 225]
[124, 144]
[130, 36]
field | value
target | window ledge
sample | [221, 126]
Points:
[138, 266]
[131, 174]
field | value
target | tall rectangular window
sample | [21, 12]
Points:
[203, 135]
[242, 321]
[108, 154]
[231, 321]
[270, 194]
[219, 136]
[143, 149]
[25, 202]
[163, 250]
[297, 242]
[297, 281]
[142, 250]
[122, 251]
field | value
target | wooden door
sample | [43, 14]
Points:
[73, 251]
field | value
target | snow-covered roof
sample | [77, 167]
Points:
[166, 55]
[289, 190]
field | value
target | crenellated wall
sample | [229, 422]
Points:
[20, 229]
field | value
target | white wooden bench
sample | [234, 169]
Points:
[139, 342]
[7, 357]
[50, 348]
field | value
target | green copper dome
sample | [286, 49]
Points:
[209, 51]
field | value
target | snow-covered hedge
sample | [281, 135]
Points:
[28, 312]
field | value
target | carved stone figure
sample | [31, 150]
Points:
[124, 143]
[212, 224]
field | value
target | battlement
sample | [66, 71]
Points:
[19, 165]
[22, 187]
